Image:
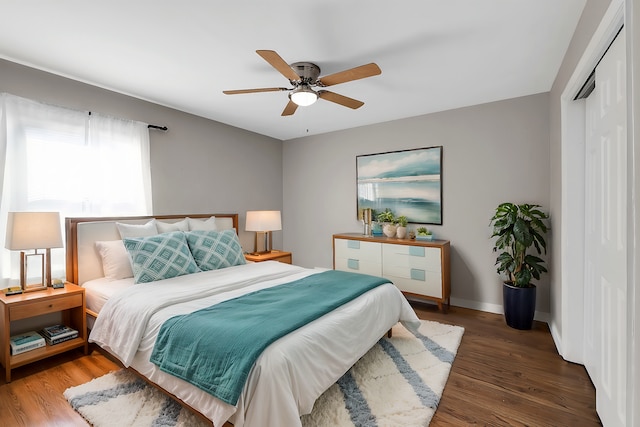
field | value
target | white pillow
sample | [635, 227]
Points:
[116, 263]
[137, 230]
[166, 227]
[208, 225]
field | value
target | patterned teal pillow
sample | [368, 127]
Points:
[160, 257]
[215, 249]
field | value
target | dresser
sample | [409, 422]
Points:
[420, 269]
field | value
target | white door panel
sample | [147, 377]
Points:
[605, 231]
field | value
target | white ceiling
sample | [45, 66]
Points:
[435, 55]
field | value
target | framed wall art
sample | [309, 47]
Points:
[409, 182]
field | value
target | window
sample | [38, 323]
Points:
[73, 162]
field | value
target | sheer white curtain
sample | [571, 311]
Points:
[79, 164]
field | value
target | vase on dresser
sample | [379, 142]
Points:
[401, 232]
[376, 228]
[389, 229]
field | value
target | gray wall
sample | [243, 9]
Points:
[198, 166]
[491, 153]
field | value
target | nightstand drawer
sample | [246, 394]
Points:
[50, 305]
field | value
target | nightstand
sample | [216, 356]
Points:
[281, 256]
[69, 301]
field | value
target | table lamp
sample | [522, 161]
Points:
[34, 231]
[263, 223]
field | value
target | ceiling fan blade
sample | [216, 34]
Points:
[356, 73]
[290, 109]
[278, 63]
[264, 89]
[340, 99]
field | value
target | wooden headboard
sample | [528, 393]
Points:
[82, 233]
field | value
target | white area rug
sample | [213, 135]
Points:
[397, 383]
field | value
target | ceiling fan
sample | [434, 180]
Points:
[304, 76]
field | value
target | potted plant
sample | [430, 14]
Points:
[401, 229]
[389, 222]
[423, 233]
[519, 229]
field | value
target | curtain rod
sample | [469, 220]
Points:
[162, 128]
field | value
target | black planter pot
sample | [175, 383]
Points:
[519, 306]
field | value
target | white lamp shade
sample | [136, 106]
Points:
[263, 221]
[33, 230]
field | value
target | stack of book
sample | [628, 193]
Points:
[22, 343]
[58, 333]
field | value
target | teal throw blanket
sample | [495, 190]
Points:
[216, 347]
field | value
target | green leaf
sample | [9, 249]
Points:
[522, 233]
[517, 230]
[523, 278]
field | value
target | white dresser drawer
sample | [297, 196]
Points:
[403, 256]
[358, 256]
[415, 269]
[357, 266]
[419, 282]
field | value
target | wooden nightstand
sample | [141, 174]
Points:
[68, 300]
[281, 256]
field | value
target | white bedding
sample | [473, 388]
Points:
[290, 374]
[98, 291]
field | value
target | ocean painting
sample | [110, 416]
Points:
[408, 182]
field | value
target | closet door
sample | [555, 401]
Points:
[606, 236]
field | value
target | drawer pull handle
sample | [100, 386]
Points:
[353, 244]
[50, 305]
[417, 274]
[353, 264]
[416, 251]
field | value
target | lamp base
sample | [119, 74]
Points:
[32, 263]
[264, 242]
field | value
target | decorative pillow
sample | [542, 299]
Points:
[137, 230]
[116, 263]
[166, 227]
[209, 224]
[215, 249]
[160, 257]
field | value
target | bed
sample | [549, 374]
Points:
[286, 378]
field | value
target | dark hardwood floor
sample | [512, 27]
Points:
[500, 377]
[506, 377]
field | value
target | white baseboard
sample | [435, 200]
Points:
[476, 305]
[557, 339]
[540, 316]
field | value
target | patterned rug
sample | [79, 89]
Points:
[397, 383]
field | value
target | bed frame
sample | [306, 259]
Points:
[81, 233]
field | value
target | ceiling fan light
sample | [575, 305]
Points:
[303, 96]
